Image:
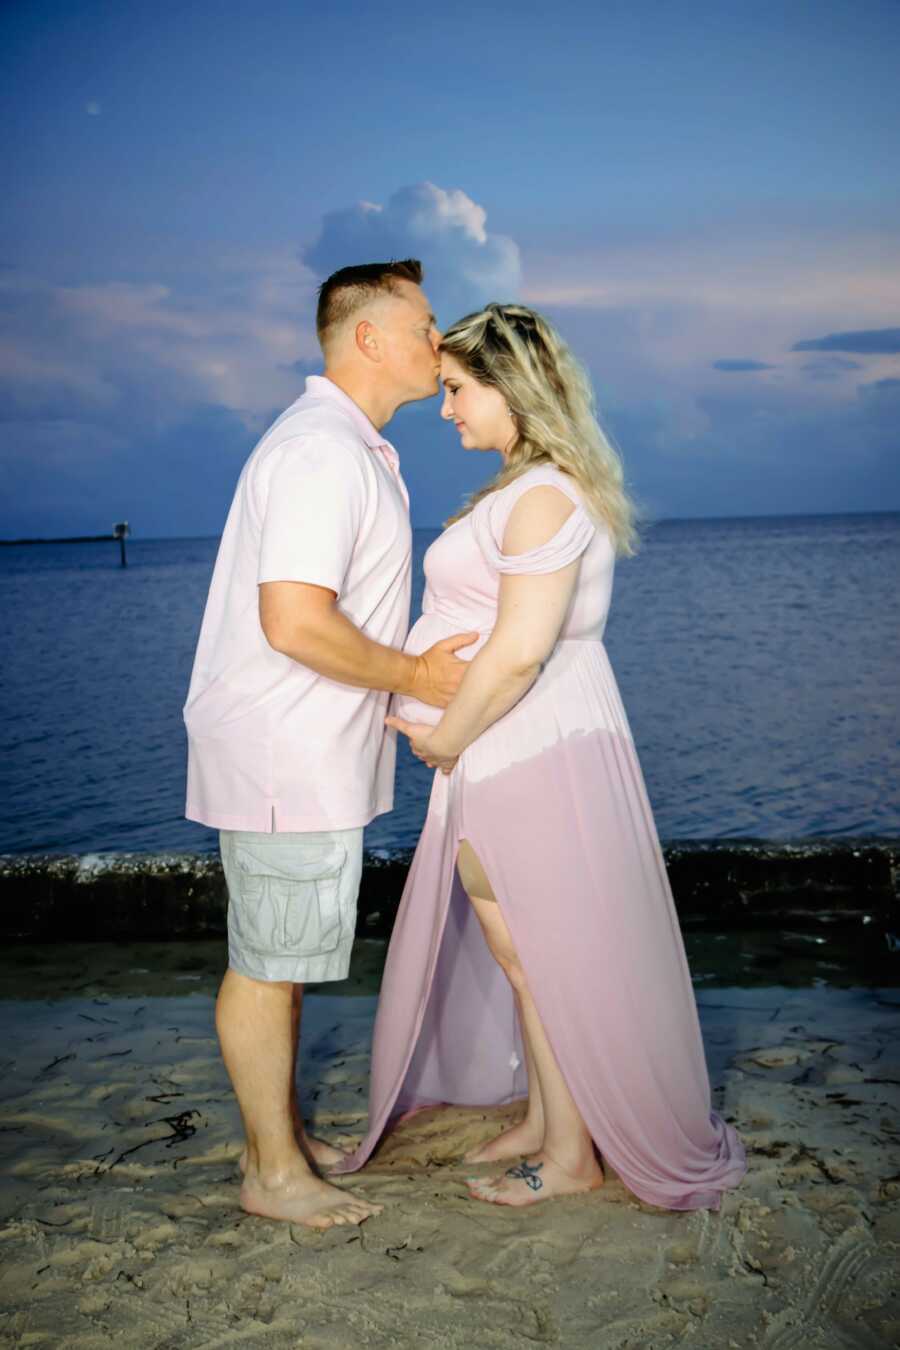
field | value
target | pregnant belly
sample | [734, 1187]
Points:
[428, 630]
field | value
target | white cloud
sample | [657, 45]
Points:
[465, 265]
[664, 312]
[178, 376]
[798, 274]
[240, 338]
[231, 344]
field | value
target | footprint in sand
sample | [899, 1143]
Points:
[773, 1057]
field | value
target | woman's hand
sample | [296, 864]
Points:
[422, 743]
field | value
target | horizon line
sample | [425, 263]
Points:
[650, 521]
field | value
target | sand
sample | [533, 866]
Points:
[120, 1224]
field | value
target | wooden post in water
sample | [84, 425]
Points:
[119, 532]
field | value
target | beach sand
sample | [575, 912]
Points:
[120, 1224]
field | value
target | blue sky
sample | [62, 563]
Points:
[703, 197]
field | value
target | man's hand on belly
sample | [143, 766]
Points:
[438, 671]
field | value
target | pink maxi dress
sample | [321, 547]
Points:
[552, 800]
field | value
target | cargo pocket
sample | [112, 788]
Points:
[290, 898]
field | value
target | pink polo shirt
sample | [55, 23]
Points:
[273, 746]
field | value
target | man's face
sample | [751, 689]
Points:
[409, 338]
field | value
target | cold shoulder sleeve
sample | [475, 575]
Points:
[490, 516]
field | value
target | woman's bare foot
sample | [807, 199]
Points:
[317, 1153]
[537, 1178]
[304, 1199]
[515, 1142]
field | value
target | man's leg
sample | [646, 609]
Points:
[318, 1152]
[254, 1020]
[289, 916]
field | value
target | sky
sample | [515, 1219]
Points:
[704, 198]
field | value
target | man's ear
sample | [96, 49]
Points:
[367, 340]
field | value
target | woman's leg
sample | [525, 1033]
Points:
[526, 1135]
[565, 1162]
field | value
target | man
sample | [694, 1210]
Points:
[297, 657]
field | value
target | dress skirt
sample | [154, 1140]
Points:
[552, 800]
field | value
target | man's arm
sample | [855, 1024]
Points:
[304, 622]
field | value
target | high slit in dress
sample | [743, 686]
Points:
[552, 801]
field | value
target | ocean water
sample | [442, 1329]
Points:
[759, 661]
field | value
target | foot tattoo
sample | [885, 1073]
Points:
[527, 1173]
[544, 1180]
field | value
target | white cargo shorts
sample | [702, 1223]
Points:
[291, 903]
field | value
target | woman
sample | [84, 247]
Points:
[537, 921]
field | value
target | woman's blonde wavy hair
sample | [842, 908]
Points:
[515, 350]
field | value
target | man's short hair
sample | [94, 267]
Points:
[347, 290]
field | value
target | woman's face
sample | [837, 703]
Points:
[478, 411]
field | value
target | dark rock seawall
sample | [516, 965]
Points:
[723, 884]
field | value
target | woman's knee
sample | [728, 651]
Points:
[496, 934]
[504, 953]
[512, 969]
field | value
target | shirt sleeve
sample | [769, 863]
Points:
[314, 508]
[489, 519]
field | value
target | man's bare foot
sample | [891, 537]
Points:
[304, 1199]
[512, 1143]
[317, 1153]
[538, 1178]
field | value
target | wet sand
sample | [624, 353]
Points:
[120, 1137]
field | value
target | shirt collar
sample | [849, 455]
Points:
[320, 387]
